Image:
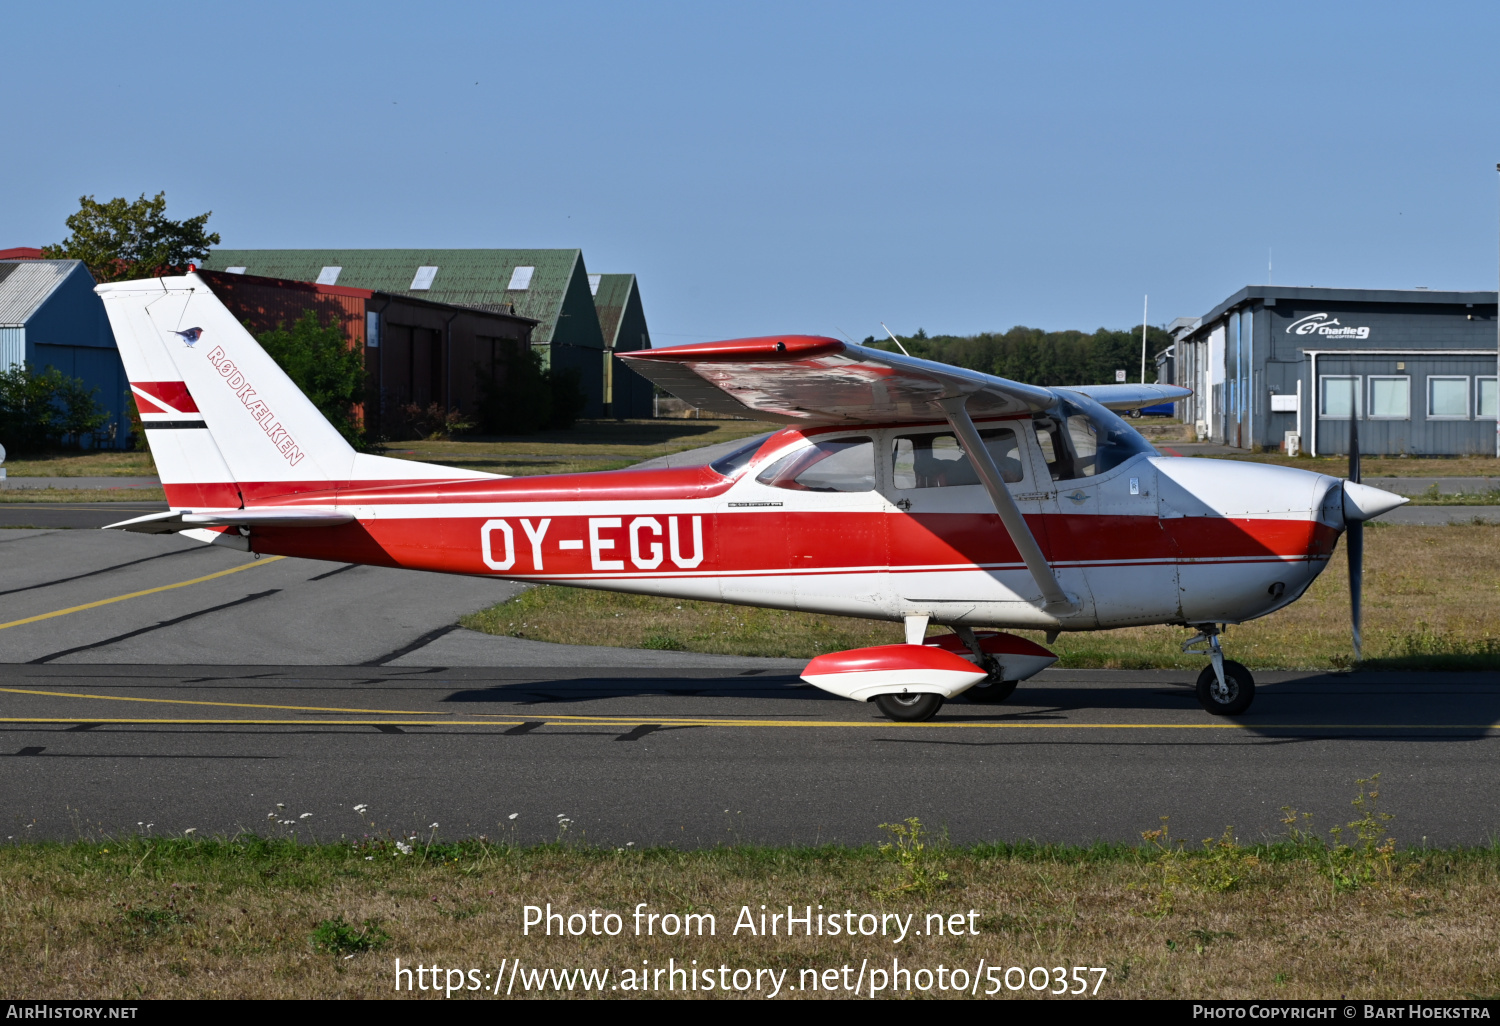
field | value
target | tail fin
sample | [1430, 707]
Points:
[224, 422]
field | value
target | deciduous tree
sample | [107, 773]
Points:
[120, 239]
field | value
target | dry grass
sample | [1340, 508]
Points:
[1432, 600]
[71, 463]
[569, 615]
[23, 496]
[590, 445]
[1372, 467]
[225, 919]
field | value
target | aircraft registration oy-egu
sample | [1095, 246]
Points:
[899, 489]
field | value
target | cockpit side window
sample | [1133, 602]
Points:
[835, 465]
[1082, 438]
[935, 460]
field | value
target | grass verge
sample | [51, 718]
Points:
[250, 917]
[1432, 601]
[36, 495]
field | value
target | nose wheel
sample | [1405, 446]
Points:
[1225, 687]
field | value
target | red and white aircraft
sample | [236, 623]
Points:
[899, 489]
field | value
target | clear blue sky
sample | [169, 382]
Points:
[786, 167]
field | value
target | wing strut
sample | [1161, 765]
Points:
[1055, 600]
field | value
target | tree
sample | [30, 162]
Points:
[1037, 357]
[321, 362]
[46, 408]
[119, 239]
[529, 398]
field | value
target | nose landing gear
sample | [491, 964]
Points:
[1225, 687]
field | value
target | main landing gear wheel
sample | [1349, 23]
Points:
[909, 708]
[1236, 694]
[991, 691]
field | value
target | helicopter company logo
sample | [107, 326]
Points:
[190, 336]
[1328, 327]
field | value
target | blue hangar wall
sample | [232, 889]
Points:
[1415, 368]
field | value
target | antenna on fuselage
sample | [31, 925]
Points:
[894, 339]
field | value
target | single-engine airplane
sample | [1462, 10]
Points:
[898, 489]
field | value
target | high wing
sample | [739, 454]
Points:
[806, 379]
[1130, 397]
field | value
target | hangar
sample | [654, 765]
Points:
[1271, 364]
[549, 286]
[50, 317]
[622, 319]
[416, 351]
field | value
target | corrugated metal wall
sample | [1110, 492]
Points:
[12, 347]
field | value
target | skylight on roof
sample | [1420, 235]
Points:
[234, 270]
[520, 279]
[423, 279]
[594, 284]
[330, 276]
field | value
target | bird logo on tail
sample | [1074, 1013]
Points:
[190, 335]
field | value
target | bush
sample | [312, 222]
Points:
[44, 409]
[321, 362]
[529, 398]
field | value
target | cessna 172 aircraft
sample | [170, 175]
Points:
[899, 489]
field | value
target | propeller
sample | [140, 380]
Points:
[1355, 528]
[1361, 503]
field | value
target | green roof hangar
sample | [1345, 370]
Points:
[551, 286]
[1275, 366]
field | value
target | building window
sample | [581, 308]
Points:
[1337, 395]
[1447, 398]
[1390, 397]
[520, 279]
[372, 329]
[1486, 400]
[423, 279]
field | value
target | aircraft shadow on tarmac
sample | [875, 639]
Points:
[1427, 707]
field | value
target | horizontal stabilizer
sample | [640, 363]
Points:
[260, 516]
[1130, 397]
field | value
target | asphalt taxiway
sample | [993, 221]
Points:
[729, 753]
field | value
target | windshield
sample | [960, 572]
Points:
[1081, 438]
[735, 462]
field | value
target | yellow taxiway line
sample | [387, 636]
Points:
[225, 705]
[138, 594]
[584, 721]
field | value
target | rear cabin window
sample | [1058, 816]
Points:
[836, 465]
[937, 461]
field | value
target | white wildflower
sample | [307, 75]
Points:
[432, 826]
[513, 815]
[305, 815]
[191, 830]
[403, 847]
